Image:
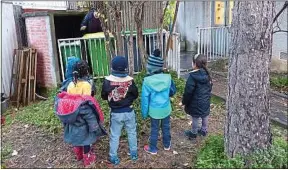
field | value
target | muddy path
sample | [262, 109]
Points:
[39, 149]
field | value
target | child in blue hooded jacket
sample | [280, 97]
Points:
[157, 89]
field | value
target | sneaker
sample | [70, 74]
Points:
[78, 150]
[202, 132]
[148, 150]
[89, 158]
[114, 160]
[190, 135]
[168, 148]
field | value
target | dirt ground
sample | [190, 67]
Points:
[38, 149]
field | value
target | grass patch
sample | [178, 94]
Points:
[40, 114]
[217, 100]
[6, 153]
[279, 82]
[212, 155]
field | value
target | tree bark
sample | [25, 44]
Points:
[131, 55]
[247, 125]
[130, 44]
[119, 26]
[138, 17]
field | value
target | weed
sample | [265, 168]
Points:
[6, 151]
[279, 82]
[212, 155]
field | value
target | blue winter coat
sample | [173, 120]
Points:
[156, 92]
[197, 94]
[82, 118]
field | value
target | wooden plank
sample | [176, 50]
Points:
[20, 71]
[30, 58]
[25, 75]
[35, 73]
[12, 73]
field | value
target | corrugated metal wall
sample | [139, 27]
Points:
[9, 43]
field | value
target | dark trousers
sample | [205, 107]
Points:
[155, 126]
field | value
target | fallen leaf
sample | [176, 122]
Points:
[33, 156]
[175, 152]
[186, 164]
[14, 153]
[190, 123]
[26, 126]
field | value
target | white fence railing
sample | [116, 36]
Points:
[214, 42]
[93, 51]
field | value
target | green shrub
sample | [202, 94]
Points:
[212, 155]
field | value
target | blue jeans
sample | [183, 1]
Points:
[195, 124]
[165, 126]
[117, 121]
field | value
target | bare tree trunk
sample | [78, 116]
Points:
[103, 17]
[130, 44]
[118, 19]
[171, 32]
[247, 125]
[139, 16]
[161, 14]
[131, 55]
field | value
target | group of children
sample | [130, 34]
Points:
[83, 118]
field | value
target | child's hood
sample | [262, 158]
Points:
[68, 106]
[200, 76]
[158, 82]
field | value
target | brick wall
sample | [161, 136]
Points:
[39, 37]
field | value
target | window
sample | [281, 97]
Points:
[223, 12]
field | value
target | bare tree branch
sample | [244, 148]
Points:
[279, 31]
[280, 12]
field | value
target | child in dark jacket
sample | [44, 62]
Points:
[120, 91]
[81, 114]
[157, 89]
[196, 97]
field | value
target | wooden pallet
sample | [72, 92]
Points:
[25, 76]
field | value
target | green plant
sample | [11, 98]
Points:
[212, 155]
[6, 150]
[279, 81]
[217, 100]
